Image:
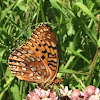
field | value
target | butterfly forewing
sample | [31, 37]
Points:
[38, 60]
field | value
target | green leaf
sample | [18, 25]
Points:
[54, 3]
[6, 86]
[98, 42]
[2, 50]
[6, 11]
[15, 92]
[85, 9]
[69, 71]
[21, 5]
[78, 54]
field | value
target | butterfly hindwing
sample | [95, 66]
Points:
[38, 60]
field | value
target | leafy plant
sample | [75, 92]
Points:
[76, 25]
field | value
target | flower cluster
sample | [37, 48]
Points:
[90, 93]
[41, 94]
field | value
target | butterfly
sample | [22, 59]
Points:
[37, 60]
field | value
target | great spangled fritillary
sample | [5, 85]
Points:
[38, 60]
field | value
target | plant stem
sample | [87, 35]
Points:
[93, 64]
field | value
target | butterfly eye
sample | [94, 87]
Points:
[38, 60]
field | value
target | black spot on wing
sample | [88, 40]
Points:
[37, 49]
[39, 45]
[44, 44]
[52, 47]
[45, 51]
[43, 57]
[51, 64]
[10, 60]
[50, 55]
[52, 61]
[51, 69]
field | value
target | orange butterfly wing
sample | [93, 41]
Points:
[38, 60]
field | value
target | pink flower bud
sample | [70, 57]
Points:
[90, 90]
[32, 96]
[75, 94]
[93, 97]
[52, 94]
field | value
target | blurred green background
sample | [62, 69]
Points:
[76, 24]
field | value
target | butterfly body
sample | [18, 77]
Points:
[38, 60]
